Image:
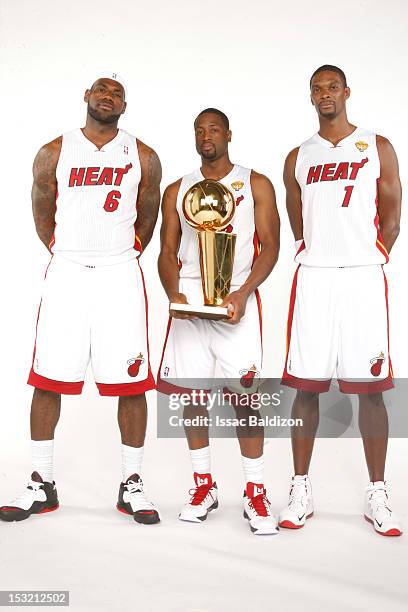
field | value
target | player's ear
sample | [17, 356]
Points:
[86, 95]
[347, 92]
[124, 108]
[229, 136]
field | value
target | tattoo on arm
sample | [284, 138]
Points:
[44, 190]
[148, 198]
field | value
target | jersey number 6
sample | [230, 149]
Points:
[112, 201]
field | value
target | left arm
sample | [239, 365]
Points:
[389, 193]
[148, 197]
[267, 225]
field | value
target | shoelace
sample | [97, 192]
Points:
[297, 494]
[378, 500]
[260, 503]
[199, 494]
[32, 486]
[136, 489]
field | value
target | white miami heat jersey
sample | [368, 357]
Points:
[96, 202]
[238, 181]
[339, 201]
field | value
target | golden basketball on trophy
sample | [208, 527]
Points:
[209, 207]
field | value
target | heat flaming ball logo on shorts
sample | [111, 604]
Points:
[134, 365]
[361, 146]
[248, 376]
[377, 364]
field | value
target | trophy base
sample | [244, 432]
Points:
[216, 313]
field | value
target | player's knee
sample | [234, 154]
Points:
[371, 401]
[44, 393]
[132, 401]
[307, 396]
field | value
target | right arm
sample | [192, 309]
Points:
[170, 234]
[293, 195]
[44, 190]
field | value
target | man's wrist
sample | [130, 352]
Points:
[245, 291]
[173, 295]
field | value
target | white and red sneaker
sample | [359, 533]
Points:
[378, 512]
[204, 498]
[37, 498]
[257, 510]
[300, 506]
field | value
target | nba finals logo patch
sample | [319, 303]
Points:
[237, 185]
[377, 364]
[361, 146]
[134, 365]
[248, 376]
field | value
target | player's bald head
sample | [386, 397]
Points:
[110, 84]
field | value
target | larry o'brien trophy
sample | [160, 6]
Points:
[209, 207]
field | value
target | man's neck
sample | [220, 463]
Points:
[216, 169]
[99, 133]
[335, 129]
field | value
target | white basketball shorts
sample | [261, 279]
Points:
[92, 314]
[338, 327]
[193, 347]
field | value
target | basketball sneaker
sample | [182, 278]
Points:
[378, 512]
[257, 510]
[204, 498]
[300, 506]
[37, 498]
[132, 500]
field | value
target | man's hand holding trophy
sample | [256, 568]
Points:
[209, 207]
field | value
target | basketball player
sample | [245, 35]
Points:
[343, 200]
[94, 305]
[193, 345]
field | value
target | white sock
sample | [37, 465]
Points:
[201, 460]
[253, 469]
[42, 456]
[132, 458]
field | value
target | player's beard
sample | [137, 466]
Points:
[329, 113]
[210, 155]
[101, 118]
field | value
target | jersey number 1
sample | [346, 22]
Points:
[349, 191]
[112, 201]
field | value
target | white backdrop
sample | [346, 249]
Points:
[253, 60]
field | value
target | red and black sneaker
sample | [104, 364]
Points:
[204, 498]
[38, 497]
[132, 500]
